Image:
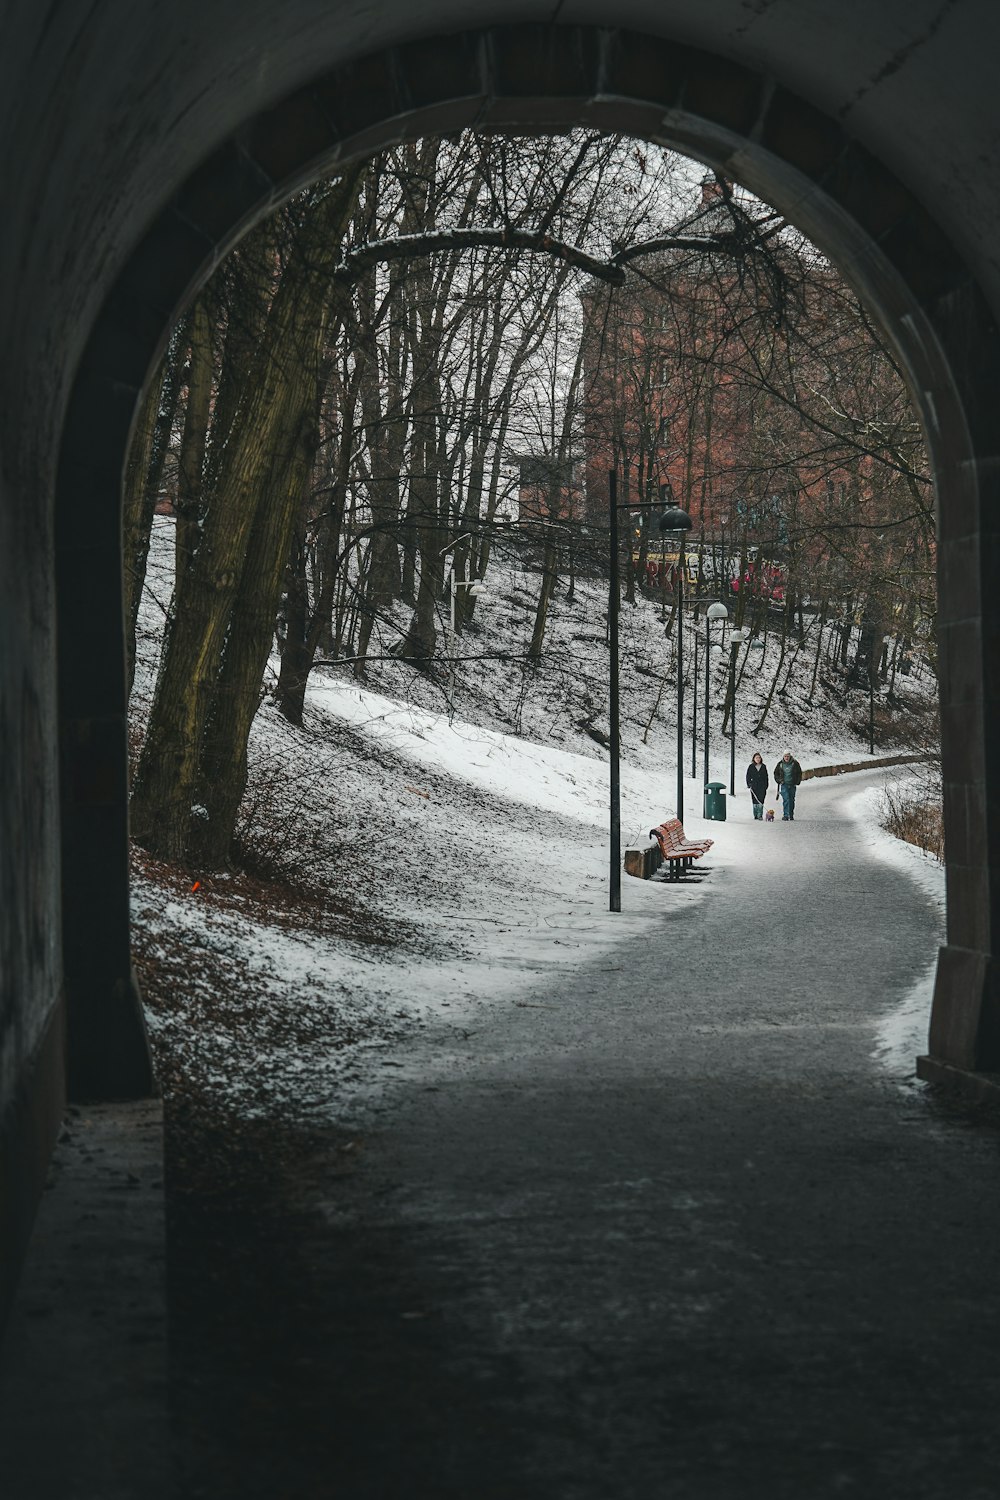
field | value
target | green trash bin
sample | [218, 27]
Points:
[715, 801]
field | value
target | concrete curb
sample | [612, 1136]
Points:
[867, 765]
[976, 1088]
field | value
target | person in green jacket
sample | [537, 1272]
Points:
[787, 775]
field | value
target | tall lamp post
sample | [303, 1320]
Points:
[615, 897]
[694, 713]
[714, 612]
[672, 522]
[736, 639]
[676, 523]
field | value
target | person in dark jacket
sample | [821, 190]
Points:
[757, 781]
[787, 775]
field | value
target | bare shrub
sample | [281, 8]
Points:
[278, 836]
[911, 810]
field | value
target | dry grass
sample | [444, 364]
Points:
[914, 813]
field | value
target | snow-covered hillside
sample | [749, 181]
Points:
[565, 699]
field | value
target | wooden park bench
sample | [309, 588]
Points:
[670, 846]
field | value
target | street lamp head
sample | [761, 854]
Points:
[673, 519]
[738, 636]
[718, 611]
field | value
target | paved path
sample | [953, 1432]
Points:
[667, 1230]
[83, 1362]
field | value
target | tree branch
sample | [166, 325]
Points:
[411, 246]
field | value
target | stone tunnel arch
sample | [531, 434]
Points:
[537, 78]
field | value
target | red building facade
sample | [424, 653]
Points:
[749, 386]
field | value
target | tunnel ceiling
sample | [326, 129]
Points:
[106, 113]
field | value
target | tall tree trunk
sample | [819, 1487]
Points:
[329, 524]
[482, 554]
[296, 659]
[223, 768]
[240, 295]
[194, 441]
[545, 593]
[758, 727]
[138, 503]
[385, 432]
[820, 619]
[421, 636]
[408, 577]
[168, 771]
[142, 483]
[561, 460]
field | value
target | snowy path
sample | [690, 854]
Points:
[665, 1225]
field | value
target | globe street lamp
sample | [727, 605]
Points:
[736, 639]
[715, 612]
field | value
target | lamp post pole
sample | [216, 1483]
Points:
[694, 713]
[676, 521]
[679, 796]
[615, 903]
[736, 639]
[708, 683]
[714, 612]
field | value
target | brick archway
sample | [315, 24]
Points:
[536, 78]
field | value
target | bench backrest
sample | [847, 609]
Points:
[669, 834]
[672, 839]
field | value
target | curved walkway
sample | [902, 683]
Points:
[668, 1229]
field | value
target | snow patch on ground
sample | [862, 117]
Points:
[902, 1034]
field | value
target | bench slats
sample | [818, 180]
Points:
[676, 848]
